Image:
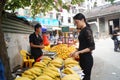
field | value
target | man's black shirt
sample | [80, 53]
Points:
[115, 36]
[36, 40]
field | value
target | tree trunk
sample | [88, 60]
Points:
[3, 50]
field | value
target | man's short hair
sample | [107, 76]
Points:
[37, 26]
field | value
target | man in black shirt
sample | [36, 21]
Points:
[36, 42]
[115, 34]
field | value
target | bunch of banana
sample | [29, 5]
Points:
[27, 72]
[55, 69]
[22, 78]
[51, 74]
[52, 67]
[71, 77]
[68, 71]
[57, 62]
[41, 65]
[44, 77]
[70, 62]
[46, 59]
[35, 70]
[75, 67]
[57, 78]
[33, 76]
[32, 73]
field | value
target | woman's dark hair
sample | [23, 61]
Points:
[37, 26]
[80, 16]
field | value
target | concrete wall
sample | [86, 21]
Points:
[102, 27]
[110, 17]
[15, 42]
[94, 29]
[106, 26]
[16, 34]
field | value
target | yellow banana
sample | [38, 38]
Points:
[71, 77]
[28, 76]
[27, 72]
[22, 78]
[45, 77]
[46, 58]
[68, 71]
[49, 74]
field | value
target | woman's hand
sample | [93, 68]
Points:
[76, 54]
[71, 54]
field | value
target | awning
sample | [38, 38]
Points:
[43, 21]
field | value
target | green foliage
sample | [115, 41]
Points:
[43, 6]
[15, 4]
[76, 1]
[38, 6]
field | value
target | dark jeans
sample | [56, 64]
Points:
[36, 57]
[86, 63]
[36, 53]
[116, 45]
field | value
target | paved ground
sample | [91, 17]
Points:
[106, 61]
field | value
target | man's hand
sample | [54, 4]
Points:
[37, 46]
[41, 46]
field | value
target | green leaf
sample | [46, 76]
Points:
[38, 6]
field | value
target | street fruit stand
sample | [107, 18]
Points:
[62, 50]
[60, 67]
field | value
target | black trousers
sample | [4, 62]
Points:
[86, 63]
[116, 44]
[36, 55]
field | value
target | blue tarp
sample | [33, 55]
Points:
[47, 21]
[43, 21]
